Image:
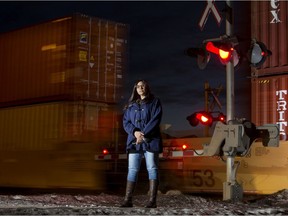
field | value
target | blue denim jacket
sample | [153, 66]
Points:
[144, 117]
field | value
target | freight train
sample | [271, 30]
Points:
[55, 124]
[54, 145]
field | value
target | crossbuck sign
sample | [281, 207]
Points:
[210, 7]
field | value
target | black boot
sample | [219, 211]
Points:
[128, 196]
[153, 193]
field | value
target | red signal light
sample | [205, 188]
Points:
[105, 151]
[202, 117]
[224, 54]
[258, 53]
[221, 117]
[205, 118]
[263, 54]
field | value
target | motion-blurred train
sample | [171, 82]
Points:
[60, 84]
[59, 145]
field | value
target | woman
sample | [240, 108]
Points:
[141, 121]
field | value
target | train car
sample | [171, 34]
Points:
[52, 145]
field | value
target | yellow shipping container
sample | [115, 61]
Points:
[53, 145]
[263, 170]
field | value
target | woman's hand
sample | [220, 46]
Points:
[139, 136]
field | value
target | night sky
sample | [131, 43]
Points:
[160, 31]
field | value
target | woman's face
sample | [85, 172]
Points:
[141, 89]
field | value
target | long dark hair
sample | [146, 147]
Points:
[135, 97]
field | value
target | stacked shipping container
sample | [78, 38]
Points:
[270, 82]
[77, 57]
[60, 85]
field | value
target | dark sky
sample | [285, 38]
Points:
[160, 31]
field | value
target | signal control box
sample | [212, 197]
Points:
[236, 137]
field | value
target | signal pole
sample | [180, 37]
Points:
[231, 189]
[230, 65]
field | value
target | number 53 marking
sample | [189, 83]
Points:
[203, 177]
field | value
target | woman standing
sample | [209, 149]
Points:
[141, 121]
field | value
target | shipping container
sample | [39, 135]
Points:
[269, 25]
[75, 57]
[52, 145]
[269, 102]
[48, 125]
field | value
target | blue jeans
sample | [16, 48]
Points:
[134, 163]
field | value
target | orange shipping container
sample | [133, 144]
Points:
[269, 102]
[75, 57]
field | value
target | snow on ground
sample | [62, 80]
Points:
[170, 203]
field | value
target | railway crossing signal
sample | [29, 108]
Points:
[225, 48]
[233, 133]
[258, 53]
[205, 118]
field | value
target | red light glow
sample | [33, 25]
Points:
[211, 48]
[202, 118]
[224, 55]
[184, 146]
[105, 151]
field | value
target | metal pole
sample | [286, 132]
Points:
[231, 189]
[230, 65]
[230, 90]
